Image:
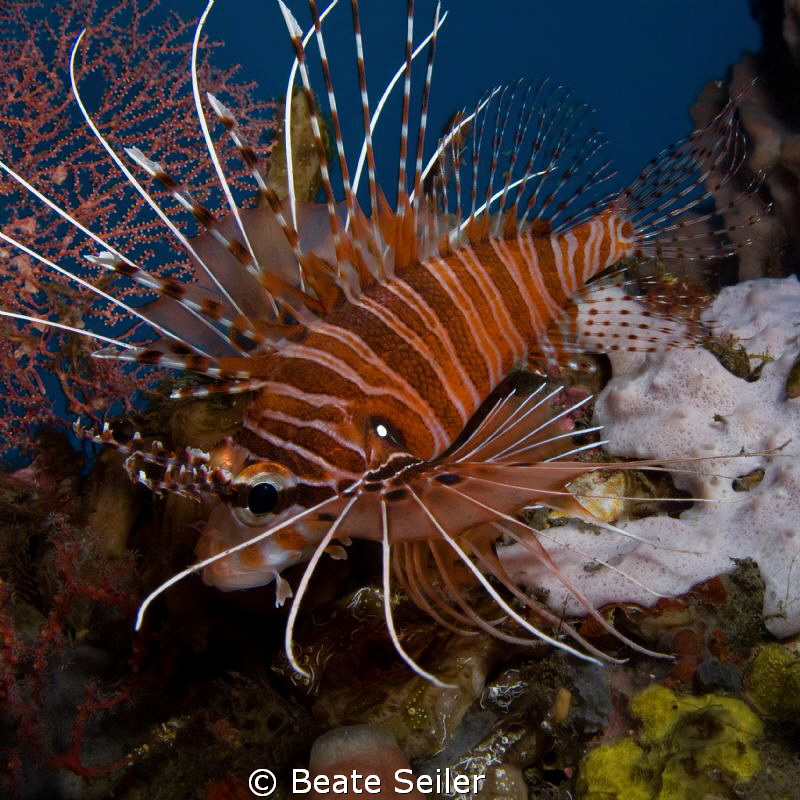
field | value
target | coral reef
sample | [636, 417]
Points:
[685, 406]
[63, 683]
[770, 80]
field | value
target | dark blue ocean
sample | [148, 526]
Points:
[640, 65]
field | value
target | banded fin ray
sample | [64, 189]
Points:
[558, 186]
[179, 236]
[253, 264]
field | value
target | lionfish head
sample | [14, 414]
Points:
[437, 520]
[271, 496]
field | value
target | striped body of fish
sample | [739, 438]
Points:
[369, 342]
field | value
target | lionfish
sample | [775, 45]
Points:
[368, 362]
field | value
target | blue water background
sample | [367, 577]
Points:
[639, 64]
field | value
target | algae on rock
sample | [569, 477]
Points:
[687, 747]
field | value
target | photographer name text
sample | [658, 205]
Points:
[444, 781]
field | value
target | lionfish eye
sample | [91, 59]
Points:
[265, 489]
[262, 498]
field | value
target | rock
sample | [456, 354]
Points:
[362, 750]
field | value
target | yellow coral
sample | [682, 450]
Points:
[613, 771]
[773, 681]
[687, 747]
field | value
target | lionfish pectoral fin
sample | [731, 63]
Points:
[529, 539]
[440, 514]
[410, 561]
[444, 518]
[294, 609]
[445, 562]
[473, 498]
[386, 545]
[520, 426]
[488, 556]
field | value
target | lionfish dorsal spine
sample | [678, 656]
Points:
[252, 262]
[424, 103]
[367, 120]
[242, 252]
[337, 129]
[506, 221]
[402, 189]
[296, 36]
[112, 259]
[245, 149]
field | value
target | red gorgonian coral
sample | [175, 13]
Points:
[132, 69]
[41, 664]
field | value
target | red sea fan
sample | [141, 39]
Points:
[125, 69]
